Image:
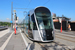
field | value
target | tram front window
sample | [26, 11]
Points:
[44, 21]
[33, 22]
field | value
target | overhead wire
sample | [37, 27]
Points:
[18, 4]
[29, 3]
[46, 2]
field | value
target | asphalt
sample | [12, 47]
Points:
[4, 38]
[65, 32]
[16, 42]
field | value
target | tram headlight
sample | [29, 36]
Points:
[52, 33]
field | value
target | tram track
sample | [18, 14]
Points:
[67, 33]
[48, 46]
[60, 45]
[65, 38]
[43, 46]
[63, 46]
[70, 36]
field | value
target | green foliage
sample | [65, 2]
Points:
[5, 24]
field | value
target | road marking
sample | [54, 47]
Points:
[27, 46]
[65, 34]
[24, 39]
[6, 42]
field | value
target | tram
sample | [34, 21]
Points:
[38, 25]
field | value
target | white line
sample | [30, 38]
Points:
[6, 42]
[27, 46]
[65, 34]
[24, 39]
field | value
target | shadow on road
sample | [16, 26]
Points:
[54, 46]
[32, 46]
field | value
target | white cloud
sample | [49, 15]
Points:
[7, 18]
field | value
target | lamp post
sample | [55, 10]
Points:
[15, 18]
[11, 16]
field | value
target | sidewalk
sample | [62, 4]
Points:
[16, 42]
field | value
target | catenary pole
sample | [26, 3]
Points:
[12, 15]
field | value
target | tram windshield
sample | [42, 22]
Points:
[44, 20]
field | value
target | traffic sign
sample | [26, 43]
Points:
[11, 21]
[60, 19]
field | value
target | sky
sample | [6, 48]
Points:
[60, 7]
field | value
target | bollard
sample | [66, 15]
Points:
[15, 31]
[61, 28]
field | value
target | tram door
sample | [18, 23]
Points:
[30, 29]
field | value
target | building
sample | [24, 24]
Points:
[72, 23]
[58, 20]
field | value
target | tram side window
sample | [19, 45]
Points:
[33, 22]
[29, 25]
[26, 22]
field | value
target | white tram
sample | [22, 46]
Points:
[38, 25]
